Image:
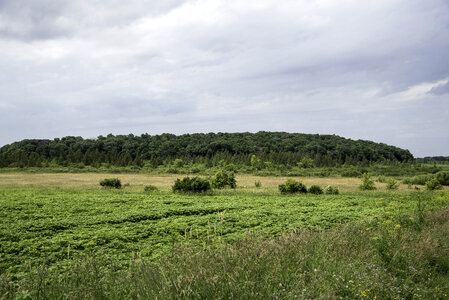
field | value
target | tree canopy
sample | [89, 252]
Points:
[271, 147]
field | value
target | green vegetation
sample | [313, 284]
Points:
[111, 183]
[257, 184]
[292, 186]
[116, 244]
[150, 188]
[331, 190]
[367, 183]
[224, 179]
[315, 189]
[191, 185]
[253, 151]
[392, 184]
[433, 184]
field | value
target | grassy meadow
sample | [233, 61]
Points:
[63, 236]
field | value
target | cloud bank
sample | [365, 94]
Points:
[376, 70]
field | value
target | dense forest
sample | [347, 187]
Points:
[254, 149]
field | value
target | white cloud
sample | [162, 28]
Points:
[94, 67]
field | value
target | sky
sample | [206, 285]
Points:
[373, 69]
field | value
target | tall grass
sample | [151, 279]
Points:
[390, 257]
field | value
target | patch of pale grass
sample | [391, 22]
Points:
[165, 181]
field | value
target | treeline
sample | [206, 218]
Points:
[433, 160]
[211, 149]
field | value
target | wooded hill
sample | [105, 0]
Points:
[209, 149]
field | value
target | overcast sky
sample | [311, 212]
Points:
[375, 70]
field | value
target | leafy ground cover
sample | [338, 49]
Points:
[389, 256]
[56, 224]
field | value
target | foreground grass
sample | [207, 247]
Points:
[390, 257]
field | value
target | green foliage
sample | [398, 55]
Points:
[392, 184]
[256, 162]
[191, 185]
[433, 184]
[224, 179]
[111, 183]
[57, 226]
[315, 189]
[442, 177]
[367, 183]
[331, 190]
[178, 163]
[292, 186]
[257, 184]
[404, 258]
[351, 173]
[418, 179]
[262, 150]
[150, 188]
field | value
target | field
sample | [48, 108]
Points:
[56, 218]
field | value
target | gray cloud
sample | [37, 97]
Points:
[371, 70]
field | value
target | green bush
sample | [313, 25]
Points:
[223, 179]
[111, 183]
[433, 185]
[442, 177]
[392, 184]
[291, 186]
[257, 184]
[150, 188]
[191, 185]
[331, 190]
[315, 189]
[367, 183]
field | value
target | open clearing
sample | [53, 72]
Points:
[137, 181]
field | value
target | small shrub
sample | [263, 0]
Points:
[150, 188]
[367, 183]
[223, 179]
[392, 184]
[433, 185]
[111, 183]
[291, 186]
[315, 189]
[257, 184]
[442, 177]
[331, 190]
[191, 185]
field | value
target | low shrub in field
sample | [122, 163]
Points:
[331, 190]
[367, 183]
[150, 188]
[433, 185]
[392, 184]
[315, 189]
[257, 184]
[442, 177]
[111, 183]
[223, 179]
[292, 186]
[191, 185]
